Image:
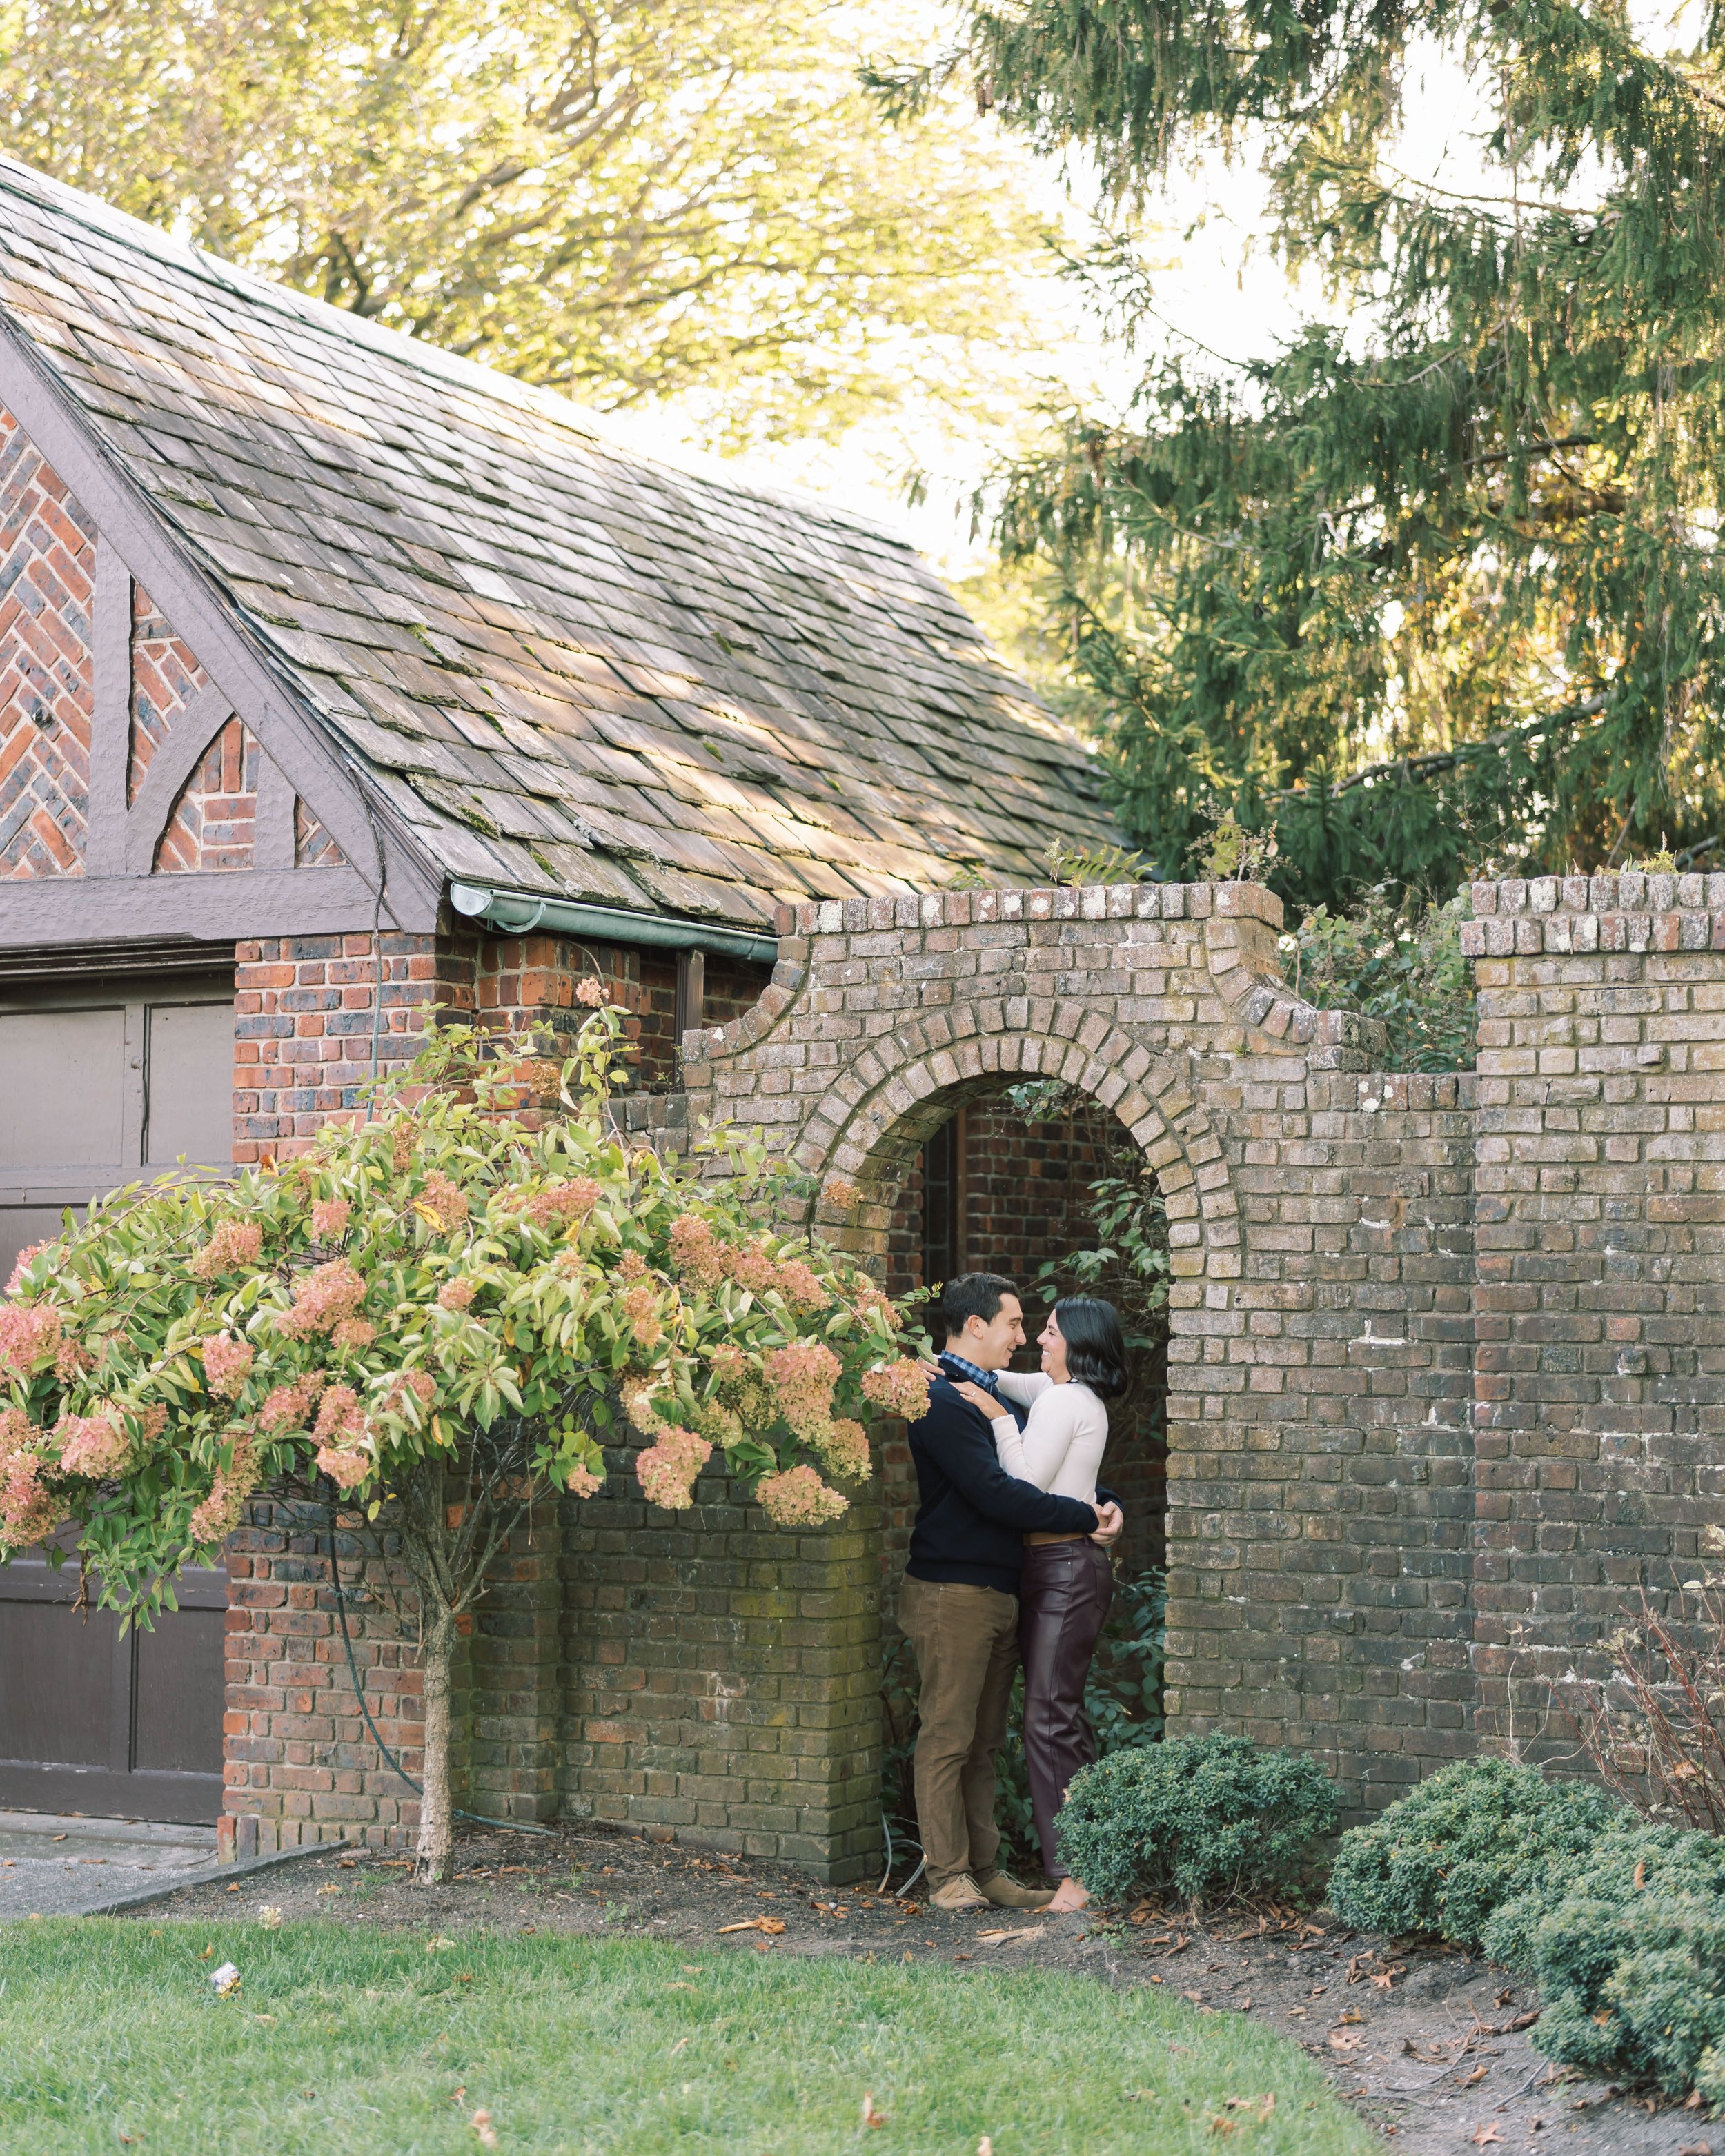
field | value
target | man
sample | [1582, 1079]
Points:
[958, 1602]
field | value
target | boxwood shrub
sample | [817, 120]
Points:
[1470, 1838]
[1202, 1817]
[1628, 1951]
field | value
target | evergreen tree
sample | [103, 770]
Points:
[1445, 590]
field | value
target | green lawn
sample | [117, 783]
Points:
[341, 2041]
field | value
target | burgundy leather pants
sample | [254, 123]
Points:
[1063, 1593]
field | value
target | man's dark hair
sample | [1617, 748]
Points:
[971, 1295]
[1095, 1348]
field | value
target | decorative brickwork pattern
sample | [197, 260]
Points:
[313, 846]
[47, 573]
[214, 821]
[165, 678]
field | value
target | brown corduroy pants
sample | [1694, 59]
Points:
[966, 1642]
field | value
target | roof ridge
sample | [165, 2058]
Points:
[58, 198]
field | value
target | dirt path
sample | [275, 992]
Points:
[1432, 2047]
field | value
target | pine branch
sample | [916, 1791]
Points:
[1432, 761]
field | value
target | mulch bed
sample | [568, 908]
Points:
[1432, 2045]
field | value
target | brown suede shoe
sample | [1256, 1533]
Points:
[958, 1897]
[1004, 1893]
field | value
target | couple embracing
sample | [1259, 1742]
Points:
[1009, 1563]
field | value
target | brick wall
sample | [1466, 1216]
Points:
[698, 1675]
[1446, 1366]
[1600, 1380]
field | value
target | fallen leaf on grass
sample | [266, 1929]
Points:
[1483, 2134]
[439, 1945]
[985, 2147]
[1263, 2105]
[678, 2045]
[1342, 2039]
[270, 1918]
[1478, 2074]
[871, 2116]
[481, 2124]
[332, 1888]
[1006, 1938]
[772, 1924]
[1696, 2148]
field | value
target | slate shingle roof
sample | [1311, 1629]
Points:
[570, 667]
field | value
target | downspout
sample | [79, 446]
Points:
[518, 913]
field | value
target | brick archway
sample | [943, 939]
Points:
[1167, 1005]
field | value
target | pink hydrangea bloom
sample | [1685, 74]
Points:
[666, 1470]
[637, 1406]
[751, 1266]
[803, 1375]
[631, 1266]
[838, 1193]
[694, 1251]
[93, 1445]
[353, 1333]
[22, 1266]
[29, 1334]
[27, 1512]
[447, 1200]
[226, 1363]
[340, 1418]
[845, 1447]
[800, 1284]
[322, 1298]
[640, 1307]
[799, 1498]
[71, 1361]
[17, 1433]
[456, 1294]
[286, 1409]
[217, 1517]
[590, 992]
[899, 1388]
[235, 1246]
[563, 1201]
[583, 1481]
[329, 1220]
[345, 1469]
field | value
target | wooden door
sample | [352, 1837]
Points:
[100, 1086]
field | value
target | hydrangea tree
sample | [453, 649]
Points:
[434, 1318]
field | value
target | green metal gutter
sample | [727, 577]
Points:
[519, 912]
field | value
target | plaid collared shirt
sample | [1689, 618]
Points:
[988, 1379]
[985, 1378]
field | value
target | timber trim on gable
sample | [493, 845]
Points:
[132, 530]
[384, 878]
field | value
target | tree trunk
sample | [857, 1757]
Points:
[437, 1817]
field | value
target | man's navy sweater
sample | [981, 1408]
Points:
[973, 1515]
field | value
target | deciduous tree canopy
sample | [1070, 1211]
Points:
[628, 199]
[1442, 585]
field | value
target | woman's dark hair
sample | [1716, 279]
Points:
[1095, 1348]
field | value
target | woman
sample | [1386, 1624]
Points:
[1067, 1581]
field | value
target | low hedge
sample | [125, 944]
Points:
[1628, 1952]
[1206, 1818]
[1475, 1835]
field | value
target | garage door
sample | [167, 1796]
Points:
[100, 1086]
